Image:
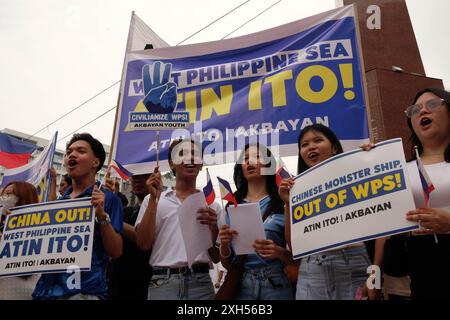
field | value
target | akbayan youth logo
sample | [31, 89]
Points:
[160, 100]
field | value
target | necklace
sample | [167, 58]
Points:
[256, 197]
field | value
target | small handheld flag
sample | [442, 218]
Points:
[425, 181]
[208, 190]
[427, 185]
[121, 171]
[226, 192]
[281, 174]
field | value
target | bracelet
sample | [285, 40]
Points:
[220, 252]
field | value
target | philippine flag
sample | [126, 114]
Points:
[226, 192]
[427, 185]
[281, 174]
[121, 171]
[208, 190]
[14, 152]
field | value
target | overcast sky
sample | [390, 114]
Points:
[56, 54]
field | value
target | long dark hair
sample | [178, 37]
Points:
[327, 132]
[415, 141]
[276, 204]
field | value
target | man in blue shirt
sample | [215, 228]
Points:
[84, 157]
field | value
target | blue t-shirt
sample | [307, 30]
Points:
[54, 285]
[274, 229]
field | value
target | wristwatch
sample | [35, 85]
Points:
[104, 222]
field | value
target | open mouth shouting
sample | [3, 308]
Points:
[72, 164]
[425, 122]
[313, 156]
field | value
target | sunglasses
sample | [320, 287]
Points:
[431, 105]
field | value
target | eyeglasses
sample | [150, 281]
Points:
[431, 105]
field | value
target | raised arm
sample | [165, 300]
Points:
[145, 231]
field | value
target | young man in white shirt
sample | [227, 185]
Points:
[158, 228]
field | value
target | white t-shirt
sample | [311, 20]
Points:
[439, 174]
[168, 247]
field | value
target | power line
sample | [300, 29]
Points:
[72, 110]
[95, 96]
[87, 123]
[272, 5]
[251, 19]
[213, 22]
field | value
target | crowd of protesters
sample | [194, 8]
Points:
[139, 251]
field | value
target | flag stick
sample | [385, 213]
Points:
[157, 161]
[427, 205]
[157, 148]
[207, 175]
[224, 213]
[221, 202]
[113, 138]
[106, 177]
[127, 49]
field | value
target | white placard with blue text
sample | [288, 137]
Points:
[351, 197]
[48, 237]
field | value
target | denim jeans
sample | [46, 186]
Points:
[266, 283]
[332, 275]
[191, 286]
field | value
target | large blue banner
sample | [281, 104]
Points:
[268, 85]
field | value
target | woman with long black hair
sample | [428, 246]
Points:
[263, 278]
[334, 274]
